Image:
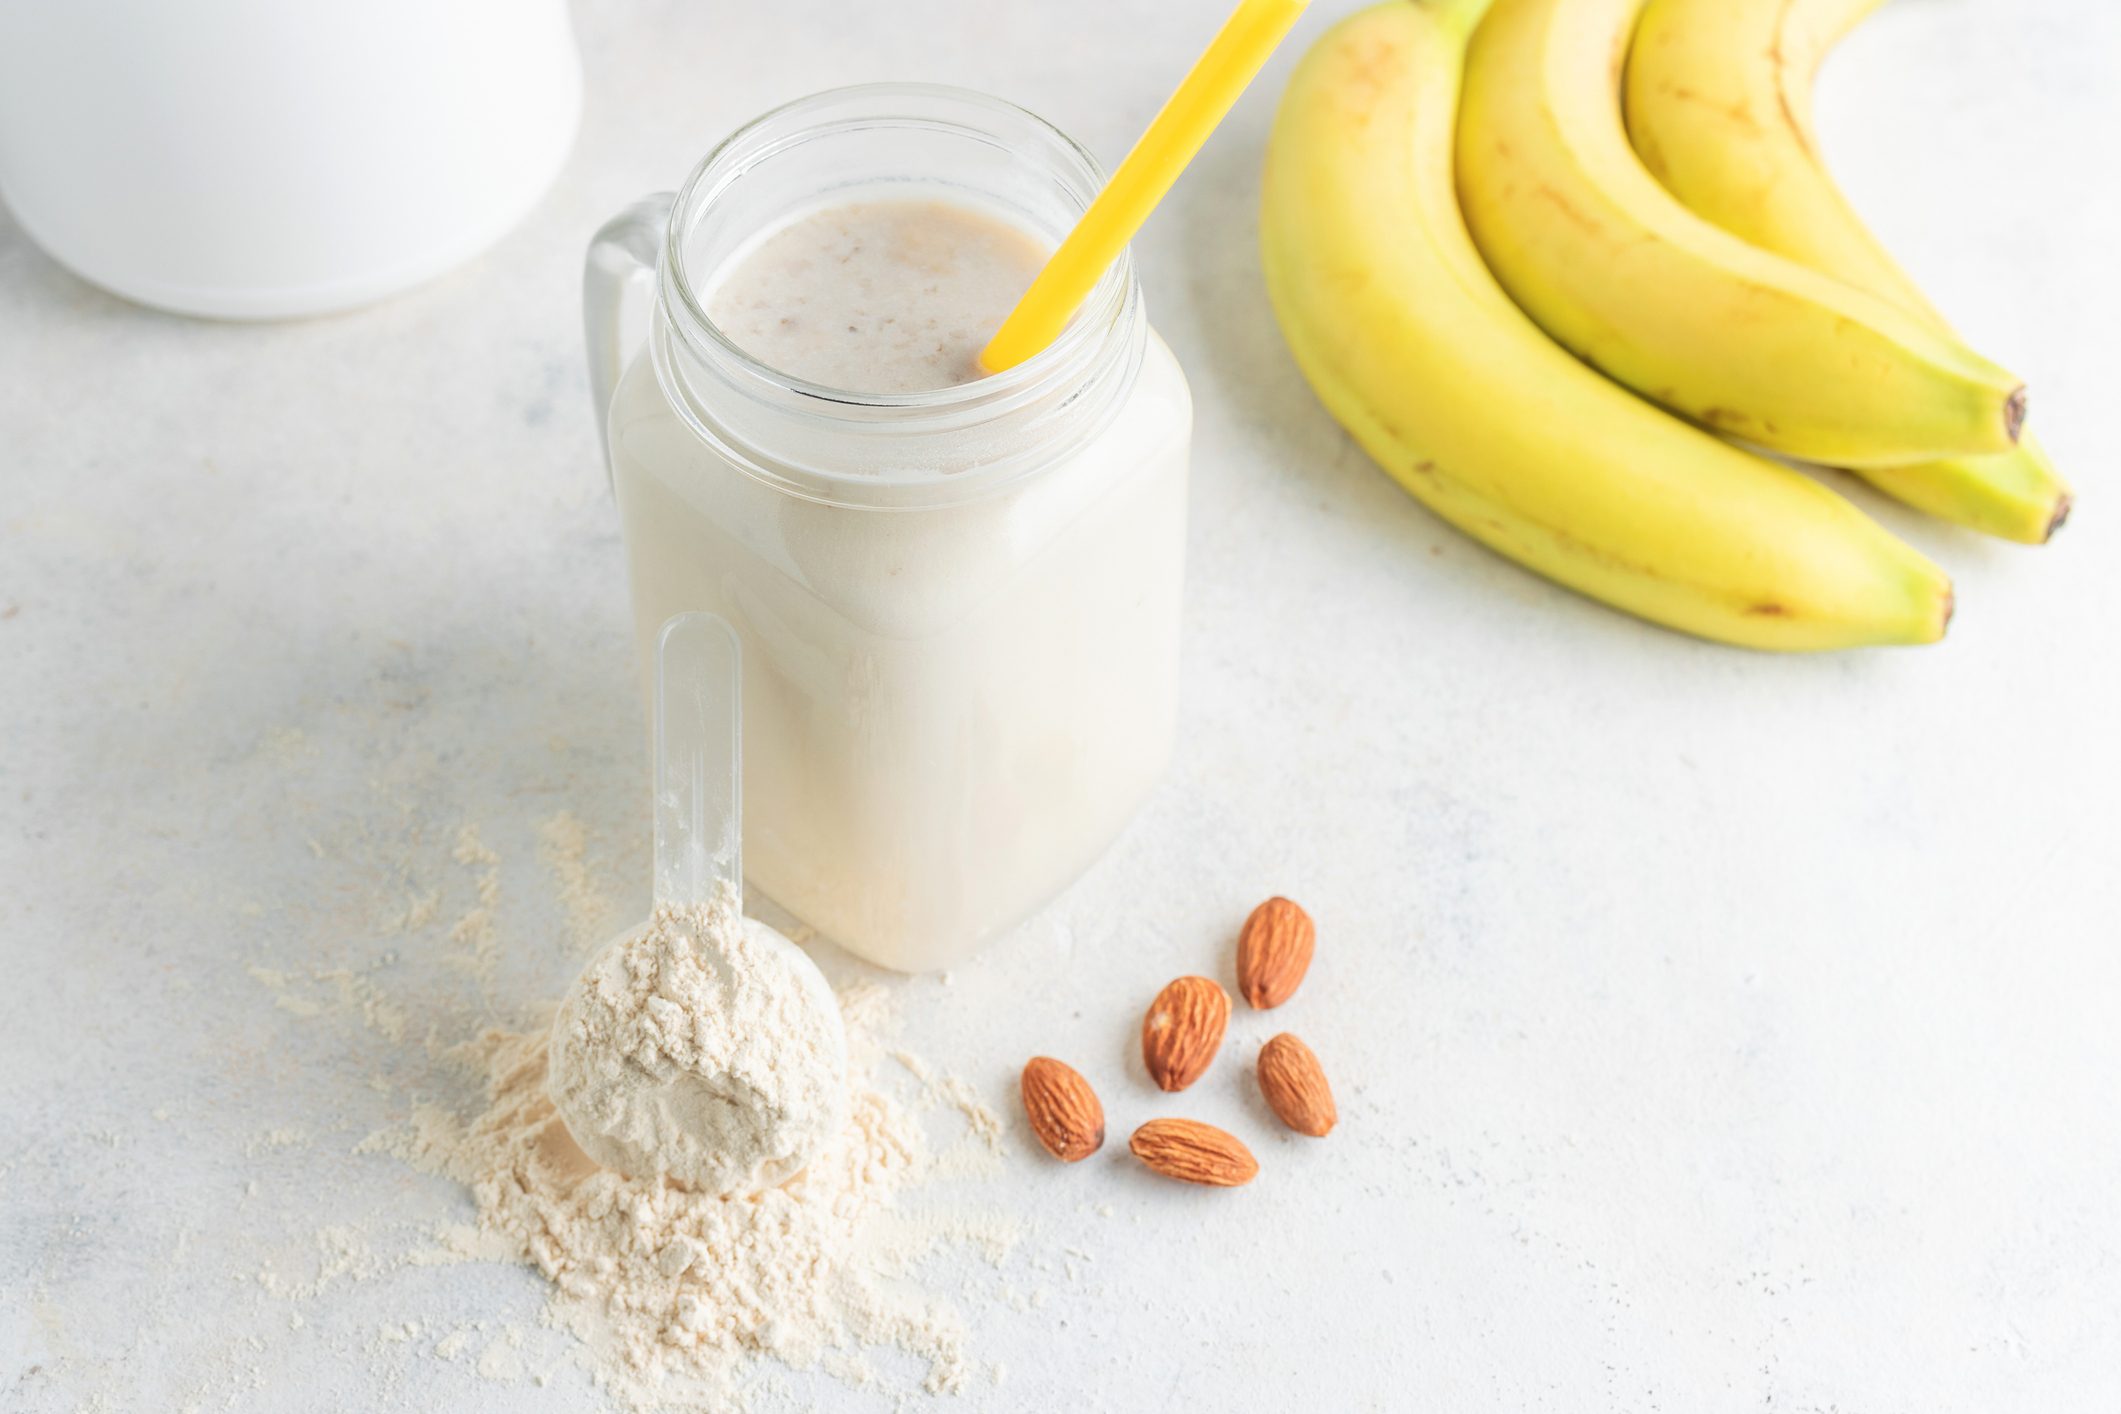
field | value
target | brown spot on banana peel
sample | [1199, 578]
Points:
[1567, 208]
[1734, 423]
[2054, 523]
[1786, 75]
[1738, 111]
[1799, 133]
[2014, 413]
[1372, 71]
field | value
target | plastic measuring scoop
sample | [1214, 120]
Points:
[640, 1117]
[699, 780]
[699, 760]
[1221, 73]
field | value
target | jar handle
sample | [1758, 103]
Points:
[622, 257]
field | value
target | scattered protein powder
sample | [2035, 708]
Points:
[671, 1289]
[671, 1300]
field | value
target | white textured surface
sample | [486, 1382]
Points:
[1713, 1032]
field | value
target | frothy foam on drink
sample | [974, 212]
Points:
[894, 296]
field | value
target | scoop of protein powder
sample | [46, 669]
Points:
[702, 1046]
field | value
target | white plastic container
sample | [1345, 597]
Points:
[258, 159]
[959, 608]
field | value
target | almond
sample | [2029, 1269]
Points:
[1273, 952]
[1063, 1109]
[1194, 1152]
[1295, 1086]
[1184, 1026]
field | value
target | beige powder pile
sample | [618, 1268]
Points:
[672, 1290]
[678, 1301]
[703, 1047]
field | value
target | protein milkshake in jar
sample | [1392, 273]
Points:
[958, 595]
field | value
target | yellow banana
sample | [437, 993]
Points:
[1719, 104]
[1411, 344]
[1687, 314]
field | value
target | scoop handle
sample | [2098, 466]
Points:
[698, 760]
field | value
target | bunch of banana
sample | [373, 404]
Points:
[1719, 101]
[1678, 309]
[1375, 171]
[1410, 342]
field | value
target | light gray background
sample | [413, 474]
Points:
[1712, 1031]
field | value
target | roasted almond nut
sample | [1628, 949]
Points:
[1063, 1109]
[1273, 952]
[1295, 1088]
[1193, 1152]
[1182, 1030]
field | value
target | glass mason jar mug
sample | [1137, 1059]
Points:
[959, 609]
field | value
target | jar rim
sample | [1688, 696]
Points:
[1071, 360]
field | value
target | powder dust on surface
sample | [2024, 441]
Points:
[670, 1299]
[668, 1289]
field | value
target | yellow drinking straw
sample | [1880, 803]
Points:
[1188, 116]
